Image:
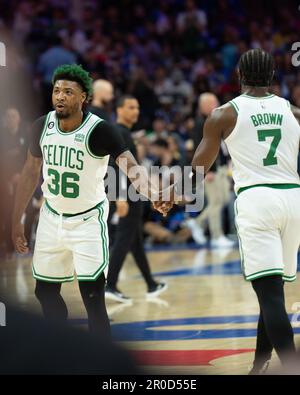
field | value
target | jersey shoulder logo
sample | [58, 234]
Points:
[79, 137]
[51, 125]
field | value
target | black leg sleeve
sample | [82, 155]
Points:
[53, 305]
[264, 347]
[270, 294]
[124, 238]
[92, 293]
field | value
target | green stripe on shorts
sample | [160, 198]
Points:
[264, 273]
[240, 240]
[289, 278]
[50, 279]
[104, 241]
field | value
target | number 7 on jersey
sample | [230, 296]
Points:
[270, 159]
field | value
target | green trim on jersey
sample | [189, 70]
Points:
[288, 104]
[264, 273]
[235, 106]
[289, 278]
[51, 279]
[88, 137]
[258, 97]
[45, 128]
[73, 131]
[275, 186]
[72, 215]
[105, 253]
[240, 240]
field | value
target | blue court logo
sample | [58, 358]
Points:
[163, 330]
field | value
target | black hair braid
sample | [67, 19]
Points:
[256, 68]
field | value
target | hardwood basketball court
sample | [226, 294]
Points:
[204, 323]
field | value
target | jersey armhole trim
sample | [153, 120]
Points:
[234, 105]
[234, 130]
[45, 128]
[88, 137]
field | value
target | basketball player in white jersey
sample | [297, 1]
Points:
[73, 147]
[262, 134]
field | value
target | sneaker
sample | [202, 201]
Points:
[116, 295]
[197, 231]
[222, 241]
[259, 371]
[156, 289]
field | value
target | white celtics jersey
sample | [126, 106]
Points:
[264, 144]
[73, 176]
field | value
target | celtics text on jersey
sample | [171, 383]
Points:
[73, 176]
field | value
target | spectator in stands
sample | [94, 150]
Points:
[191, 13]
[56, 55]
[181, 92]
[103, 94]
[76, 37]
[166, 53]
[141, 87]
[217, 184]
[166, 230]
[22, 23]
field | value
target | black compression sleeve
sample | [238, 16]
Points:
[105, 139]
[35, 135]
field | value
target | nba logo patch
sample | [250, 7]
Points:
[79, 137]
[262, 104]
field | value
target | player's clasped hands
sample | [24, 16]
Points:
[166, 201]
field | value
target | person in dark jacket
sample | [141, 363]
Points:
[129, 233]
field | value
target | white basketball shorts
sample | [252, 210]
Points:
[268, 225]
[75, 244]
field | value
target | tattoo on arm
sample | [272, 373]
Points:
[138, 176]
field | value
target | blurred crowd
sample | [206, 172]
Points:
[178, 58]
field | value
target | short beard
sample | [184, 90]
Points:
[62, 115]
[67, 113]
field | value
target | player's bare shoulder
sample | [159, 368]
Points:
[296, 111]
[225, 117]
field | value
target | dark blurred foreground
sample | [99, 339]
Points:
[29, 346]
